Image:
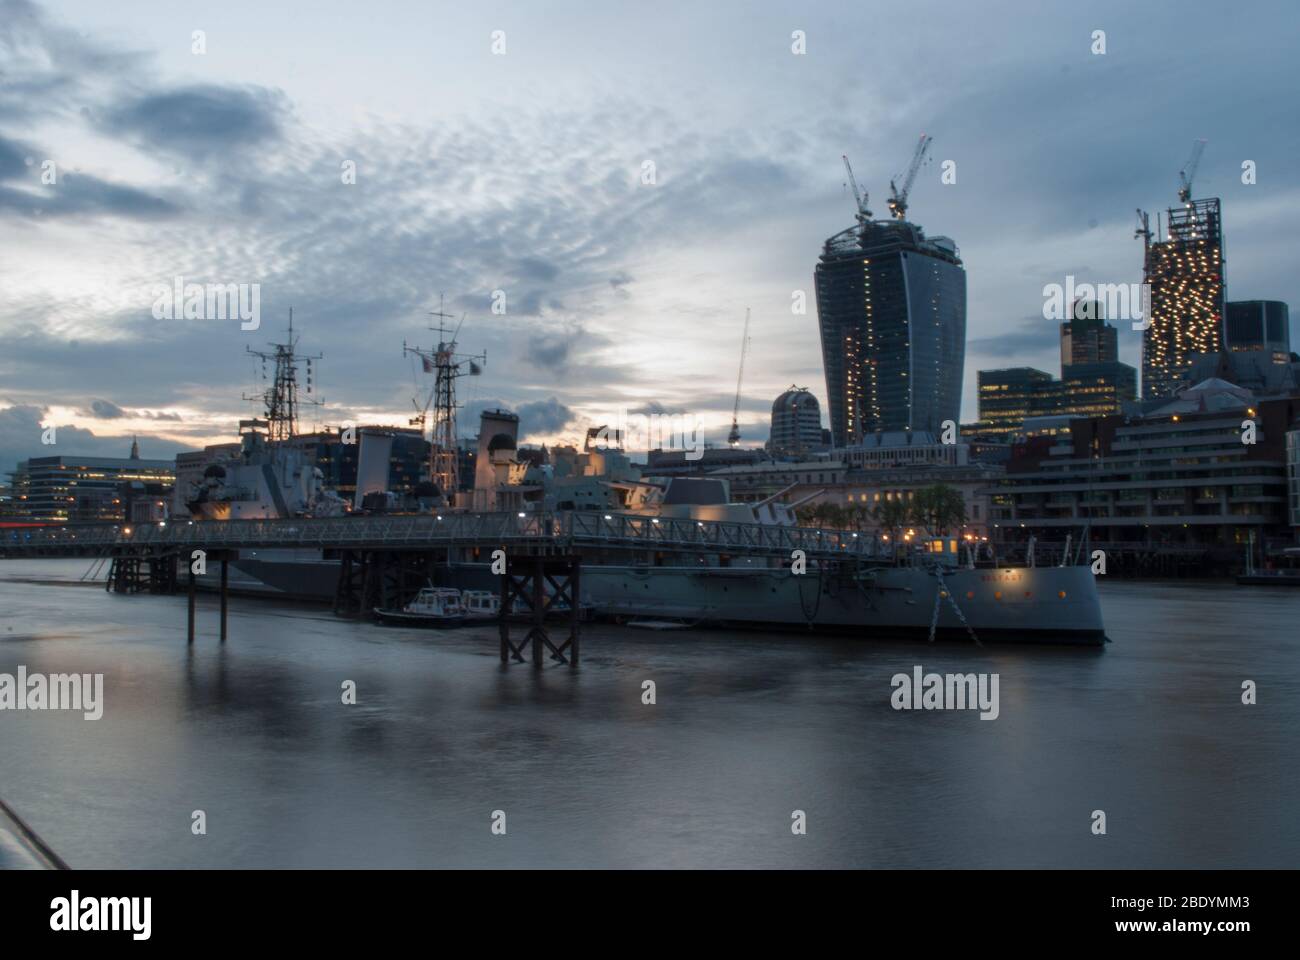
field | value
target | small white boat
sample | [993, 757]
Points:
[480, 604]
[432, 607]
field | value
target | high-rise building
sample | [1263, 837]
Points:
[891, 305]
[1263, 325]
[796, 422]
[1008, 396]
[1095, 389]
[1186, 274]
[1087, 337]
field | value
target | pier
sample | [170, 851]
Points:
[384, 560]
[526, 532]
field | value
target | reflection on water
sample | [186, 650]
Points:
[746, 728]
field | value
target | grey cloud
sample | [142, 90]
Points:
[198, 120]
[20, 439]
[106, 410]
[534, 268]
[13, 160]
[543, 416]
[1028, 335]
[535, 416]
[72, 193]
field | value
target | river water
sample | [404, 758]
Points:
[746, 729]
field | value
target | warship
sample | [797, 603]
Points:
[928, 585]
[271, 478]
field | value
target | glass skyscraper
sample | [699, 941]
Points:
[1263, 325]
[891, 304]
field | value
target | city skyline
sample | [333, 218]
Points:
[224, 167]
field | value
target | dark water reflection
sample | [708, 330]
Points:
[747, 728]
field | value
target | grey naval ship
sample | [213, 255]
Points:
[924, 585]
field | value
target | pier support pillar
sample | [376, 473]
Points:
[526, 579]
[225, 583]
[191, 601]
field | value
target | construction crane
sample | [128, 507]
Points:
[1186, 175]
[733, 438]
[863, 214]
[898, 198]
[1144, 227]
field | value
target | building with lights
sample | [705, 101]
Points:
[1178, 474]
[1011, 397]
[867, 488]
[796, 423]
[88, 489]
[1185, 272]
[891, 306]
[1262, 326]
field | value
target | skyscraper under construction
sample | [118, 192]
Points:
[891, 304]
[1185, 272]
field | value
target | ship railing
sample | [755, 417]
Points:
[562, 529]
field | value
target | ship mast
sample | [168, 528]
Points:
[280, 400]
[447, 366]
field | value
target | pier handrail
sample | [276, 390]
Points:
[501, 528]
[28, 841]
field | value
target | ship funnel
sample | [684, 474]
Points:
[373, 456]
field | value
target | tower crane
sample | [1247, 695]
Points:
[1188, 172]
[863, 214]
[1144, 227]
[898, 198]
[733, 438]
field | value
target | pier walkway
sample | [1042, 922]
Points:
[559, 532]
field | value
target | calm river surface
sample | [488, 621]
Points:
[746, 729]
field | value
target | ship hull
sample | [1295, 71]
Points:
[1043, 604]
[1057, 605]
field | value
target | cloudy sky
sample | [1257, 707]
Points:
[521, 170]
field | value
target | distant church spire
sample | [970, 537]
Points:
[135, 447]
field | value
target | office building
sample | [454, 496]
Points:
[1007, 397]
[891, 306]
[85, 489]
[1088, 338]
[1178, 473]
[1259, 326]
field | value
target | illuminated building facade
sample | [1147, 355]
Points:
[891, 305]
[1007, 398]
[1186, 275]
[85, 489]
